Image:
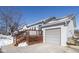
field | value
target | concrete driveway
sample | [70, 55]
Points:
[38, 48]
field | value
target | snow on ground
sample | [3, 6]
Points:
[5, 40]
[24, 44]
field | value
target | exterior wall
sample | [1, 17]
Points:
[70, 29]
[63, 34]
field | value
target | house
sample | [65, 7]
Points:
[56, 31]
[38, 25]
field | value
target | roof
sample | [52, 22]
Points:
[43, 21]
[61, 21]
[56, 20]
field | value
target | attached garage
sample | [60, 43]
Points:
[56, 31]
[53, 36]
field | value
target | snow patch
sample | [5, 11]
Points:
[5, 40]
[24, 44]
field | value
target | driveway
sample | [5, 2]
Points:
[38, 48]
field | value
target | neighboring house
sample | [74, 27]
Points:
[56, 31]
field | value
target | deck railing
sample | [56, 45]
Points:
[30, 37]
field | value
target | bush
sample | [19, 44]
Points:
[71, 41]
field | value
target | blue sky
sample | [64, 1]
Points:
[31, 14]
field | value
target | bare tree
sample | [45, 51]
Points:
[11, 20]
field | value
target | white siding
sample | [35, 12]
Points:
[70, 29]
[63, 36]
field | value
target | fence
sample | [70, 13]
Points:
[29, 36]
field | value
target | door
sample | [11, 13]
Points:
[53, 36]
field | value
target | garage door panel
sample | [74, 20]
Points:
[52, 42]
[53, 36]
[52, 39]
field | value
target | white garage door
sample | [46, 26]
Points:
[53, 36]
